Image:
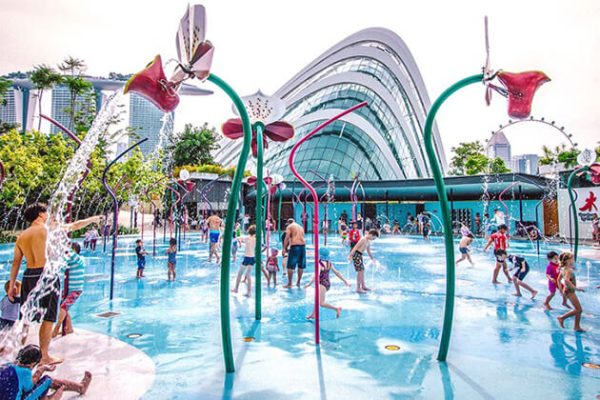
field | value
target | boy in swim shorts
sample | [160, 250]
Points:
[500, 241]
[463, 248]
[248, 262]
[521, 270]
[74, 288]
[141, 258]
[356, 256]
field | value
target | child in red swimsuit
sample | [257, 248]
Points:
[272, 267]
[500, 241]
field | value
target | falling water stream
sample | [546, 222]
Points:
[58, 242]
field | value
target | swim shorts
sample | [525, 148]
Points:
[214, 236]
[497, 254]
[357, 260]
[248, 261]
[521, 275]
[297, 257]
[48, 301]
[463, 250]
[141, 263]
[70, 300]
[551, 287]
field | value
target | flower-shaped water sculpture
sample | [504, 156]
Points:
[520, 89]
[195, 58]
[265, 110]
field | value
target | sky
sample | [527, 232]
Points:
[261, 44]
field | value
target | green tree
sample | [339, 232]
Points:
[5, 85]
[81, 109]
[462, 153]
[193, 146]
[44, 77]
[480, 164]
[559, 154]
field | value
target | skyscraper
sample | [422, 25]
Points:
[499, 146]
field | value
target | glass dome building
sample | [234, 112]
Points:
[382, 141]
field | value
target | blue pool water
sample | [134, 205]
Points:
[502, 347]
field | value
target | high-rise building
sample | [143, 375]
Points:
[526, 164]
[146, 120]
[23, 108]
[61, 103]
[499, 146]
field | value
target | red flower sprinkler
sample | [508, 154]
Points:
[520, 89]
[194, 62]
[265, 112]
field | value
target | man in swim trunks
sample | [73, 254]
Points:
[500, 241]
[31, 244]
[214, 233]
[356, 255]
[294, 246]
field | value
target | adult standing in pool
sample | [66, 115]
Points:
[294, 240]
[31, 245]
[214, 233]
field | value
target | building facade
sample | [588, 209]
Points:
[499, 146]
[526, 164]
[381, 141]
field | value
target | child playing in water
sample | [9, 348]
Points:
[272, 267]
[248, 262]
[18, 381]
[569, 282]
[552, 272]
[356, 255]
[500, 241]
[343, 232]
[172, 259]
[463, 247]
[325, 266]
[354, 234]
[76, 269]
[9, 310]
[521, 270]
[141, 258]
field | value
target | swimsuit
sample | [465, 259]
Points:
[297, 257]
[70, 300]
[357, 260]
[552, 271]
[463, 250]
[324, 276]
[49, 300]
[141, 259]
[272, 264]
[172, 258]
[214, 235]
[248, 261]
[573, 281]
[518, 262]
[17, 383]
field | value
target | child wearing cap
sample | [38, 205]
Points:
[325, 266]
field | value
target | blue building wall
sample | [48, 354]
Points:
[398, 212]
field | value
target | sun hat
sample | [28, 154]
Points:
[324, 254]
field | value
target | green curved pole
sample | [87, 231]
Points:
[258, 127]
[573, 209]
[234, 195]
[446, 218]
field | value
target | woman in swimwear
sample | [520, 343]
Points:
[325, 266]
[569, 283]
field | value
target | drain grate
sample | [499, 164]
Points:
[248, 339]
[134, 335]
[108, 314]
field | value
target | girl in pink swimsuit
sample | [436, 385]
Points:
[325, 266]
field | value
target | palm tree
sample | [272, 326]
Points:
[72, 65]
[44, 77]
